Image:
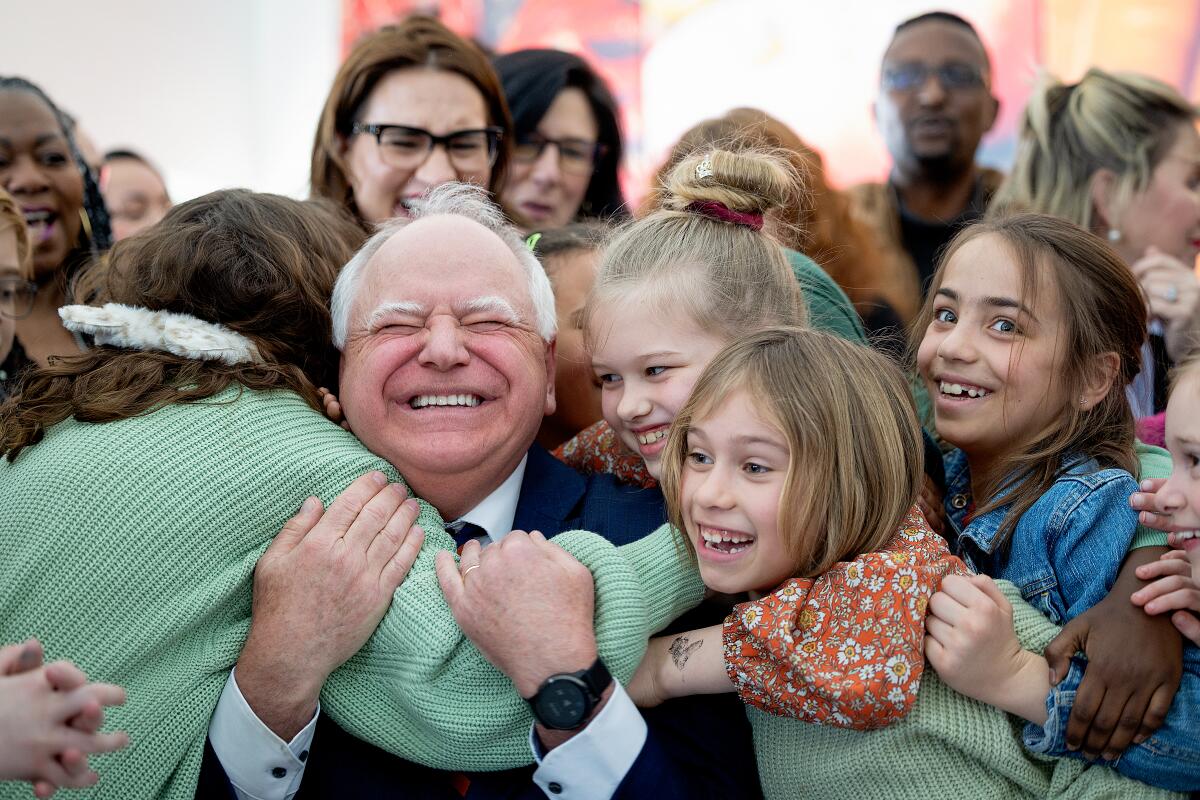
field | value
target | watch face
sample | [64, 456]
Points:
[561, 704]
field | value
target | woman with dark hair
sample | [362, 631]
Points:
[557, 99]
[413, 106]
[59, 197]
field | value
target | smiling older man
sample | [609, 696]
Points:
[446, 324]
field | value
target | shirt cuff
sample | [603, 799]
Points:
[259, 764]
[592, 764]
[1051, 739]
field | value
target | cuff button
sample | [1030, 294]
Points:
[303, 756]
[554, 787]
[279, 772]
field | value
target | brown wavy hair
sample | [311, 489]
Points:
[12, 219]
[419, 41]
[816, 220]
[1103, 311]
[260, 264]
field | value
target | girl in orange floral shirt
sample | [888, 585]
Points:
[800, 491]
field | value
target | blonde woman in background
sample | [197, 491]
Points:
[1119, 155]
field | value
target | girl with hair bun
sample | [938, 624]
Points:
[694, 274]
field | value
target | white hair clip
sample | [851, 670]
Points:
[704, 169]
[142, 329]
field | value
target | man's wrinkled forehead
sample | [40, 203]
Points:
[937, 42]
[449, 246]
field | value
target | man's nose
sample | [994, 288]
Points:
[931, 92]
[444, 347]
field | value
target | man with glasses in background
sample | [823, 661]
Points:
[934, 106]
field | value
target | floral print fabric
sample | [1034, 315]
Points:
[844, 649]
[598, 451]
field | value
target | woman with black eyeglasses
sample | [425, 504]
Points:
[413, 106]
[568, 140]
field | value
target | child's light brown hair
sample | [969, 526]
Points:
[727, 277]
[857, 456]
[1103, 311]
[12, 219]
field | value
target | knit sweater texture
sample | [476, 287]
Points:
[128, 547]
[948, 746]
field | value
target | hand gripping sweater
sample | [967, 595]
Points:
[948, 746]
[128, 547]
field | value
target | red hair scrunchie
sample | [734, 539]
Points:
[719, 211]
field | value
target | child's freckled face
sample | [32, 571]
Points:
[647, 363]
[732, 480]
[990, 355]
[1181, 492]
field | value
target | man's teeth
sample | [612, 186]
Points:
[652, 436]
[714, 538]
[958, 390]
[423, 400]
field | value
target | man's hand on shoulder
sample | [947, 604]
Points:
[319, 591]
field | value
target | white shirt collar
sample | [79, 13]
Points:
[496, 512]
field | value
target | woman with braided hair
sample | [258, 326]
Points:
[57, 193]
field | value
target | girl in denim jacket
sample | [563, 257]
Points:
[1031, 334]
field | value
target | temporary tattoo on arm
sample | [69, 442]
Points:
[681, 650]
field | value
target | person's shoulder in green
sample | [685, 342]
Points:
[828, 307]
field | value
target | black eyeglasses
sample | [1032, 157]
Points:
[913, 74]
[575, 156]
[403, 147]
[16, 297]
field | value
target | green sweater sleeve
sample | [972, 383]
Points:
[1153, 462]
[421, 690]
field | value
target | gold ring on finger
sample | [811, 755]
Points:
[467, 571]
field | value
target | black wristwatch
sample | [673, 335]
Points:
[564, 701]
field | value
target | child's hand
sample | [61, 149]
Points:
[1155, 509]
[972, 645]
[49, 718]
[1176, 589]
[333, 409]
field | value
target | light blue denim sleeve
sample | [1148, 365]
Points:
[1051, 739]
[1091, 544]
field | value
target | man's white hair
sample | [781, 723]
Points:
[457, 199]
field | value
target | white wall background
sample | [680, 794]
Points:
[218, 93]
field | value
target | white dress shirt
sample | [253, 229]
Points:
[261, 766]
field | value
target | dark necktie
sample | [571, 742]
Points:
[463, 532]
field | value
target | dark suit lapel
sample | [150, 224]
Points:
[551, 495]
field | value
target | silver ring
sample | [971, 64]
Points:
[467, 571]
[1171, 294]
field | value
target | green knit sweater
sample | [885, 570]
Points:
[128, 547]
[949, 746]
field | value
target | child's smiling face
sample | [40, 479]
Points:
[732, 480]
[991, 357]
[1181, 493]
[647, 363]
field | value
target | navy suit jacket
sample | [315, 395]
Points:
[696, 747]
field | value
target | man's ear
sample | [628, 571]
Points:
[1099, 380]
[551, 366]
[993, 112]
[1103, 192]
